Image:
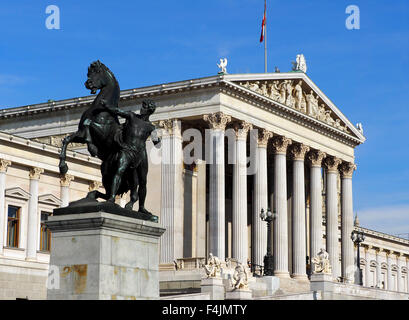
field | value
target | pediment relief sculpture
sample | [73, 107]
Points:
[293, 93]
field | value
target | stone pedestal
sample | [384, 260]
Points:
[239, 294]
[214, 286]
[322, 282]
[101, 256]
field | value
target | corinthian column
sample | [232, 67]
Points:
[217, 123]
[171, 243]
[32, 229]
[315, 158]
[280, 201]
[259, 234]
[399, 274]
[389, 276]
[298, 152]
[3, 170]
[239, 221]
[65, 181]
[378, 268]
[347, 220]
[332, 164]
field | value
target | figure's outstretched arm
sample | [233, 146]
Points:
[117, 111]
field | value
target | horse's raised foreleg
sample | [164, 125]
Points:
[75, 137]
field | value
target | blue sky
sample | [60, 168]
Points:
[364, 72]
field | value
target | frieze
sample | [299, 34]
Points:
[293, 93]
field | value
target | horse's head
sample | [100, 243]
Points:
[98, 76]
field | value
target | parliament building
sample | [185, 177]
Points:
[232, 146]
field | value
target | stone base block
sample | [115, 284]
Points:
[100, 256]
[239, 294]
[213, 286]
[322, 282]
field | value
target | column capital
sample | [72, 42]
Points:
[281, 144]
[217, 120]
[298, 151]
[4, 165]
[241, 129]
[347, 169]
[315, 158]
[171, 126]
[263, 136]
[94, 185]
[65, 180]
[332, 163]
[35, 173]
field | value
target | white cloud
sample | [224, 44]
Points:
[389, 219]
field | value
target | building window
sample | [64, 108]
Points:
[13, 226]
[45, 234]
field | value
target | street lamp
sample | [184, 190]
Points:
[268, 258]
[357, 237]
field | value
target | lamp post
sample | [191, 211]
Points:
[268, 258]
[357, 237]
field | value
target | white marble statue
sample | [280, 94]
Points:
[300, 64]
[360, 128]
[222, 66]
[240, 277]
[300, 103]
[321, 262]
[275, 90]
[289, 101]
[312, 105]
[213, 266]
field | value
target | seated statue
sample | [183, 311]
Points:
[212, 267]
[240, 278]
[321, 262]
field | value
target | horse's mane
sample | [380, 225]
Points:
[98, 66]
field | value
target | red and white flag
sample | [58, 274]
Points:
[263, 24]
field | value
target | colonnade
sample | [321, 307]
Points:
[300, 156]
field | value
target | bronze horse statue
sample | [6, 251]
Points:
[97, 125]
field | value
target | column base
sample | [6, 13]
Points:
[282, 274]
[300, 277]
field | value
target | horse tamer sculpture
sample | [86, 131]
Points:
[121, 147]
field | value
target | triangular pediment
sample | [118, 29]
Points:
[17, 192]
[50, 200]
[298, 92]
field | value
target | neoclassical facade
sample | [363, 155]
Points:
[232, 145]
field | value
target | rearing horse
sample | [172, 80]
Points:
[97, 126]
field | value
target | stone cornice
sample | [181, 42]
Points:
[224, 82]
[9, 138]
[381, 235]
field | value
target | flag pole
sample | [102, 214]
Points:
[265, 38]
